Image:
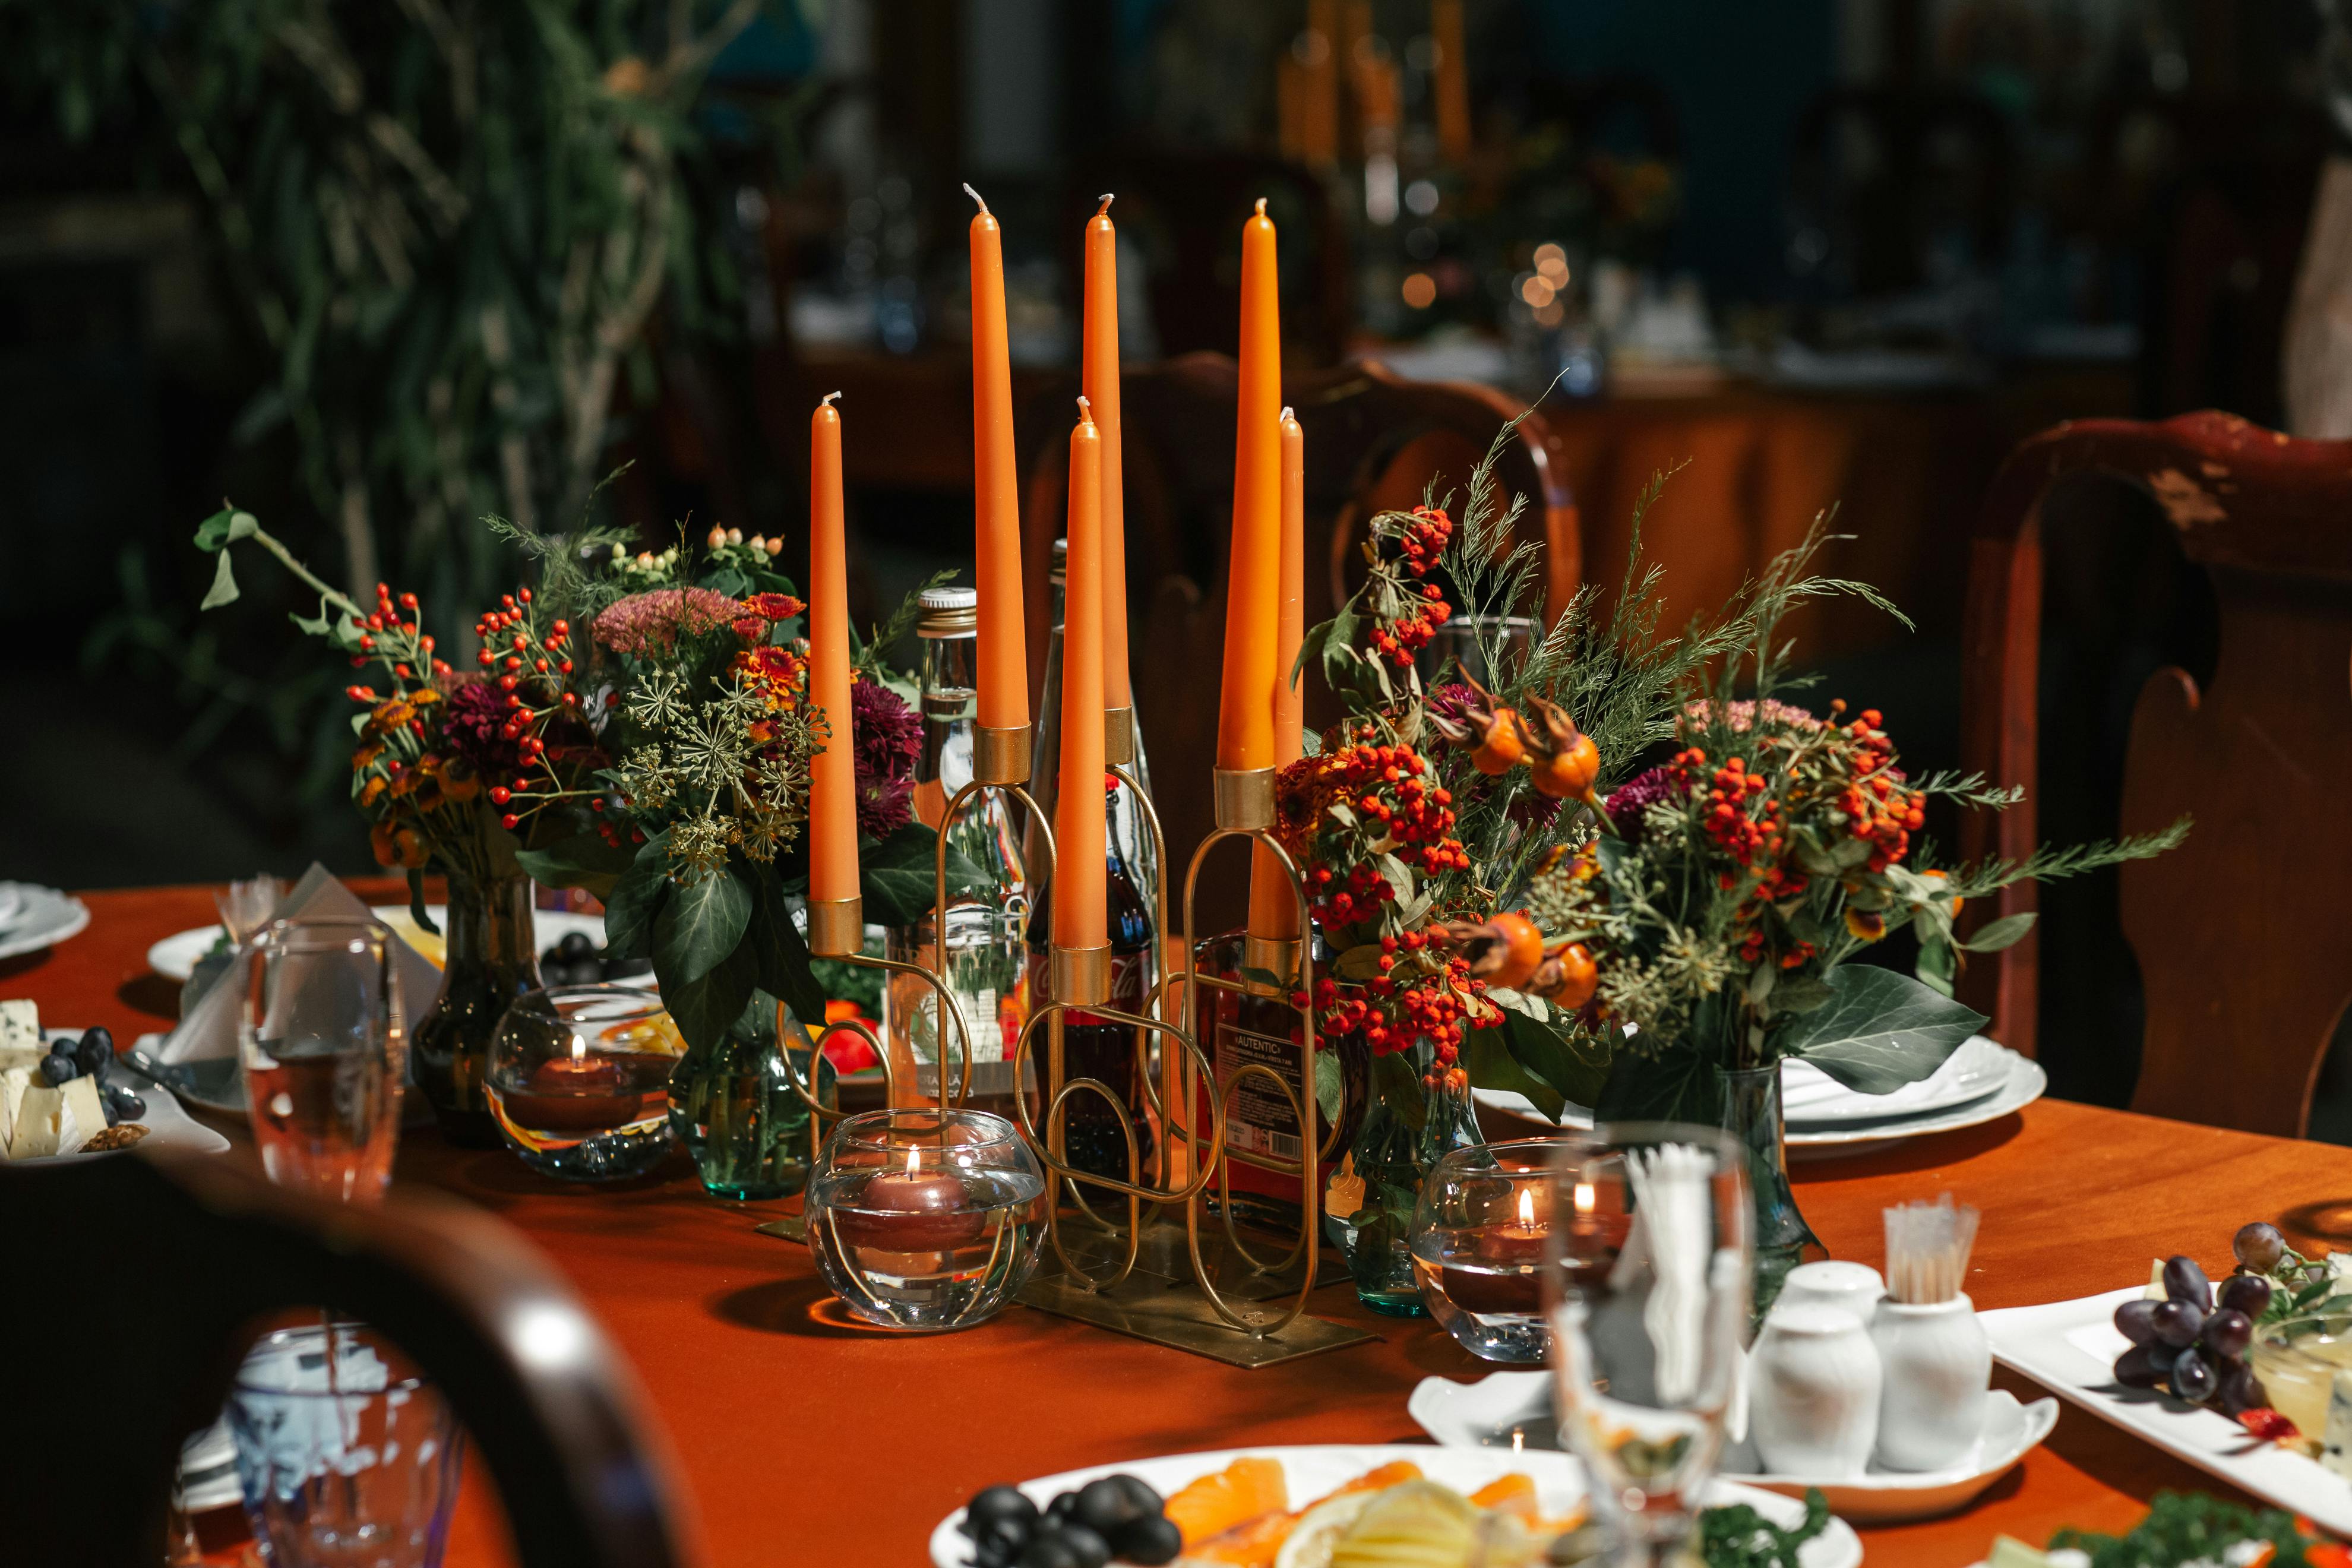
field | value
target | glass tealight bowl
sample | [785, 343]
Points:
[2295, 1360]
[926, 1219]
[1477, 1246]
[579, 1081]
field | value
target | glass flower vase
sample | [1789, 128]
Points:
[1751, 1114]
[734, 1106]
[1410, 1123]
[490, 961]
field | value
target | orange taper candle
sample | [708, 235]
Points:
[996, 492]
[833, 772]
[1099, 368]
[1081, 906]
[1252, 579]
[1274, 906]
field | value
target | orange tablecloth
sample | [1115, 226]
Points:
[804, 1442]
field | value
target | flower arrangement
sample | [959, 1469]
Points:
[635, 726]
[1601, 867]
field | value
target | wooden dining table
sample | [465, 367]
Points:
[801, 1439]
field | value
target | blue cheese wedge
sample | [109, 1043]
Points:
[21, 1045]
[2336, 1444]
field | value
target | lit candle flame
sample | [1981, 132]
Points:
[914, 1157]
[1519, 1440]
[1528, 1208]
[1584, 1198]
[579, 1048]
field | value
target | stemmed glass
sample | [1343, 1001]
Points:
[325, 1053]
[1646, 1284]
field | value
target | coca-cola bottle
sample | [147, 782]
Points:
[1097, 1048]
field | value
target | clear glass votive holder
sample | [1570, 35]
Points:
[924, 1218]
[348, 1459]
[1478, 1245]
[579, 1081]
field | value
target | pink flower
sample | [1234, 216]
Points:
[652, 623]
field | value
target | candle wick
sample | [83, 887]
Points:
[1261, 204]
[1289, 415]
[1105, 210]
[827, 399]
[974, 195]
[1085, 414]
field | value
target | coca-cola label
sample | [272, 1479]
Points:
[1131, 979]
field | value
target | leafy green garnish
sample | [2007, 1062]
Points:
[2188, 1527]
[1739, 1537]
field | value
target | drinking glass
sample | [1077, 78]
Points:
[1646, 1284]
[347, 1459]
[1467, 641]
[325, 1054]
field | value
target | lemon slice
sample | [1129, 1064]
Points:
[1418, 1524]
[1318, 1530]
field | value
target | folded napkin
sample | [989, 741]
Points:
[207, 1029]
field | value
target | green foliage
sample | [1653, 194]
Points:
[1879, 1029]
[2192, 1527]
[1739, 1537]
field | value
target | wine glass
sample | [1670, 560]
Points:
[1647, 1285]
[325, 1053]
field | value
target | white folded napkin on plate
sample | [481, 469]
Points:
[207, 1030]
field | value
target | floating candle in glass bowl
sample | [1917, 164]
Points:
[1478, 1243]
[925, 1219]
[579, 1081]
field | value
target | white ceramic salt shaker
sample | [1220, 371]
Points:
[1813, 1390]
[1849, 1287]
[1936, 1366]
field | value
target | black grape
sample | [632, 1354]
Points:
[2136, 1321]
[2247, 1293]
[2177, 1322]
[2135, 1368]
[2259, 1246]
[2227, 1332]
[2184, 1281]
[2193, 1379]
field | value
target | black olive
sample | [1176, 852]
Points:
[1088, 1545]
[1147, 1501]
[96, 1053]
[1000, 1503]
[575, 946]
[1049, 1552]
[57, 1069]
[123, 1105]
[1151, 1539]
[1105, 1507]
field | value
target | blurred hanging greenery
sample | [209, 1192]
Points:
[447, 223]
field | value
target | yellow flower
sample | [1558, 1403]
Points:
[1866, 925]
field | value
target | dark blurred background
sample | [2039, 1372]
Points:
[374, 271]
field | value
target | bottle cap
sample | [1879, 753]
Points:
[952, 612]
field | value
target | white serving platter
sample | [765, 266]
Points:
[175, 956]
[2022, 1083]
[1504, 1408]
[44, 917]
[1313, 1471]
[2070, 1347]
[169, 1125]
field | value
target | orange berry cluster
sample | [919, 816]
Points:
[1421, 539]
[1388, 791]
[1421, 994]
[385, 637]
[1876, 805]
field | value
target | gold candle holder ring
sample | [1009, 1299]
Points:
[1080, 975]
[1275, 955]
[1244, 799]
[999, 756]
[1118, 737]
[836, 927]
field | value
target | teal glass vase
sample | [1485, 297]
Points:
[1751, 1114]
[1368, 1205]
[735, 1108]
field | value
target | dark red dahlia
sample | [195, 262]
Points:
[472, 721]
[886, 739]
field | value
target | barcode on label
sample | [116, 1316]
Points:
[1282, 1144]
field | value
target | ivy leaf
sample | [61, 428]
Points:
[1937, 964]
[637, 899]
[699, 925]
[1329, 1087]
[780, 957]
[223, 588]
[224, 528]
[1488, 1055]
[2006, 931]
[582, 860]
[1574, 1066]
[895, 875]
[1796, 993]
[1677, 1084]
[1881, 1029]
[704, 1007]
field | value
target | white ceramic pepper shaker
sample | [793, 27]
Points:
[1936, 1364]
[1813, 1390]
[1849, 1287]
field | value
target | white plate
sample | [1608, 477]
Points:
[168, 1123]
[2070, 1347]
[1313, 1471]
[12, 904]
[175, 956]
[2024, 1082]
[45, 918]
[1810, 1099]
[1490, 1412]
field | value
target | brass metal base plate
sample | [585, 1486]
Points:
[1180, 1316]
[1163, 1254]
[791, 1228]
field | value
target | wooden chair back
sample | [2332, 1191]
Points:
[1373, 441]
[148, 1277]
[2244, 952]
